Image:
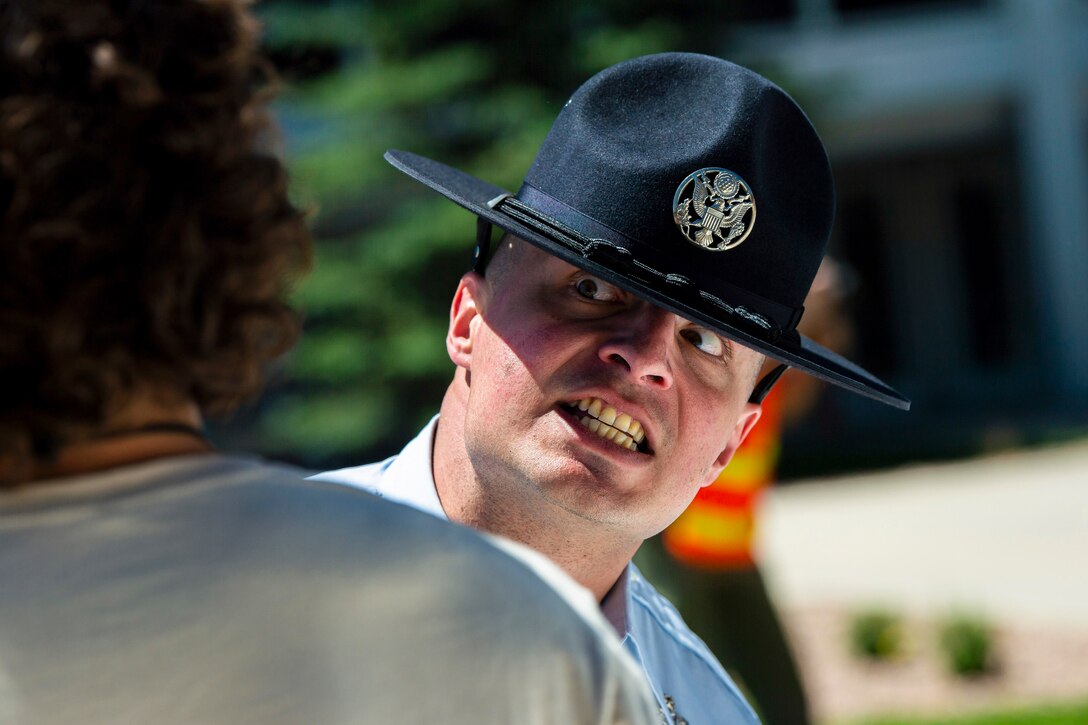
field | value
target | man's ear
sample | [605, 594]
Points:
[745, 422]
[464, 319]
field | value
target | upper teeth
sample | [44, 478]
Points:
[607, 422]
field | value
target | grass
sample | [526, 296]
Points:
[1072, 714]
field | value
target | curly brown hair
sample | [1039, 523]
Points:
[146, 236]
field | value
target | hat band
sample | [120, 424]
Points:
[555, 220]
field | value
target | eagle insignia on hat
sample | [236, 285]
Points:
[714, 208]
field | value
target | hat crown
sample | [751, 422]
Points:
[629, 136]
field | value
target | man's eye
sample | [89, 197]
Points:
[594, 289]
[704, 339]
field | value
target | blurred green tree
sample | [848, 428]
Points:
[475, 83]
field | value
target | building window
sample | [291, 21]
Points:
[847, 7]
[984, 263]
[864, 246]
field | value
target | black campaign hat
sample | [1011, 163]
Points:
[691, 182]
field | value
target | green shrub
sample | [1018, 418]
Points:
[966, 642]
[876, 634]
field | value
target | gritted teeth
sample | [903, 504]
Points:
[611, 424]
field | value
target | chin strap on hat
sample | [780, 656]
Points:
[621, 258]
[482, 254]
[763, 387]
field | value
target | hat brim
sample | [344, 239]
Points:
[795, 350]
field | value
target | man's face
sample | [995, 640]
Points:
[559, 363]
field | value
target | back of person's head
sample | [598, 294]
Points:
[146, 236]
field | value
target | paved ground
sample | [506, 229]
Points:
[1005, 535]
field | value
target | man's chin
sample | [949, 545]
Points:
[590, 498]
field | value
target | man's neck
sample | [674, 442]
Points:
[591, 557]
[145, 428]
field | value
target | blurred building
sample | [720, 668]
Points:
[959, 137]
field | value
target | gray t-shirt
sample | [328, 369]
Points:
[204, 589]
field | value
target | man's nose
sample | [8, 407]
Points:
[641, 345]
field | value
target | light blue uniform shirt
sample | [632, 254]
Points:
[690, 685]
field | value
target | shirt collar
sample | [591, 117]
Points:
[615, 603]
[410, 477]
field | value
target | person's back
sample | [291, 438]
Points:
[147, 247]
[208, 588]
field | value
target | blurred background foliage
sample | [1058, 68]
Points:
[960, 307]
[474, 83]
